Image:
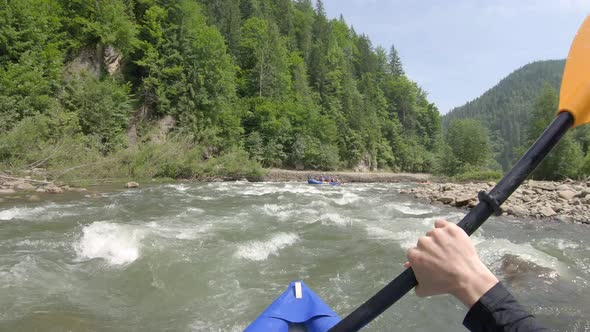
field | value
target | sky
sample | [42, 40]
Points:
[458, 49]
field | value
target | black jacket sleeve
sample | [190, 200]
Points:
[498, 310]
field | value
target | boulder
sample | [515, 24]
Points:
[53, 189]
[567, 194]
[542, 185]
[546, 211]
[517, 211]
[463, 201]
[14, 184]
[446, 199]
[24, 186]
[132, 185]
[7, 191]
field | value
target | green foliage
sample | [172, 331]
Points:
[103, 108]
[395, 63]
[28, 26]
[30, 59]
[320, 156]
[107, 21]
[175, 158]
[506, 109]
[27, 89]
[566, 159]
[263, 59]
[469, 142]
[585, 170]
[233, 164]
[247, 83]
[478, 175]
[51, 141]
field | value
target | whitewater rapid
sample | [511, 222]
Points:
[211, 256]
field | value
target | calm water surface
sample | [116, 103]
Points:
[211, 257]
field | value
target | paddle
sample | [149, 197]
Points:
[574, 110]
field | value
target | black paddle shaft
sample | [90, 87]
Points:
[488, 205]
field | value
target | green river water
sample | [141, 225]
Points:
[212, 256]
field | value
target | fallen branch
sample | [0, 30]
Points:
[42, 161]
[23, 179]
[57, 175]
[531, 202]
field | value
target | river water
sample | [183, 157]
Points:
[212, 256]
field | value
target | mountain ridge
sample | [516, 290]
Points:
[505, 109]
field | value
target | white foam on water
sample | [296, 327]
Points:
[560, 244]
[19, 273]
[287, 188]
[334, 218]
[39, 244]
[347, 198]
[179, 187]
[48, 211]
[319, 204]
[193, 234]
[191, 211]
[280, 211]
[492, 252]
[411, 209]
[378, 233]
[204, 198]
[21, 212]
[260, 250]
[180, 231]
[117, 244]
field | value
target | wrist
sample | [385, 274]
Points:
[475, 285]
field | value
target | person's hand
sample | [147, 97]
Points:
[445, 261]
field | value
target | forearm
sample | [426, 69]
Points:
[498, 310]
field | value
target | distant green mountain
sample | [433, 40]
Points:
[507, 107]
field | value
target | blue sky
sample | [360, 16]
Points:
[458, 49]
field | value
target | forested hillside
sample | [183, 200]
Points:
[507, 108]
[182, 88]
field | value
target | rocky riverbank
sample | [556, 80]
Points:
[567, 201]
[10, 185]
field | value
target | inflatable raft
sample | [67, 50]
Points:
[297, 309]
[312, 181]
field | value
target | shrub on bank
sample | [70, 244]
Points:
[71, 157]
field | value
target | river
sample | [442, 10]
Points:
[212, 256]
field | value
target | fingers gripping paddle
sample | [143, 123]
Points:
[574, 110]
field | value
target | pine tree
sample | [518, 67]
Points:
[395, 63]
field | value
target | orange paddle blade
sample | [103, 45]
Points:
[575, 85]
